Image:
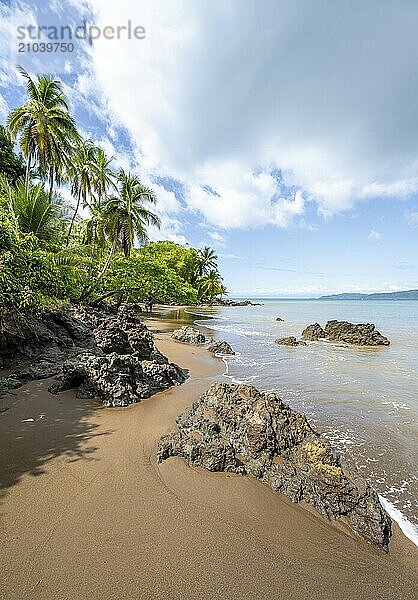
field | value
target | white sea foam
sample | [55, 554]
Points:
[409, 529]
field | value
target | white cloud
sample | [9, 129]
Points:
[220, 94]
[219, 91]
[375, 236]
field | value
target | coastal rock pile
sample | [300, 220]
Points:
[117, 379]
[220, 347]
[290, 341]
[239, 303]
[236, 428]
[106, 353]
[188, 335]
[360, 334]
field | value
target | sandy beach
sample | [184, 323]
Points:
[86, 512]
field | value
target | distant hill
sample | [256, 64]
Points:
[405, 295]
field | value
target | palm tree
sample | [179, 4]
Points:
[33, 209]
[104, 179]
[222, 291]
[46, 127]
[83, 173]
[206, 261]
[210, 285]
[127, 218]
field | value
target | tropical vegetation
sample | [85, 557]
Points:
[96, 247]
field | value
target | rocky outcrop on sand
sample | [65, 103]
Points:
[290, 341]
[117, 379]
[106, 353]
[236, 428]
[188, 335]
[220, 347]
[359, 334]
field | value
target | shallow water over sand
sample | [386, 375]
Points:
[364, 400]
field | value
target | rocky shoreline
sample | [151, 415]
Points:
[108, 354]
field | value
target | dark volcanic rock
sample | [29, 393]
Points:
[361, 334]
[290, 341]
[220, 347]
[9, 383]
[279, 319]
[313, 332]
[237, 428]
[105, 352]
[123, 333]
[41, 370]
[188, 335]
[117, 380]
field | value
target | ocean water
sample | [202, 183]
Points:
[364, 400]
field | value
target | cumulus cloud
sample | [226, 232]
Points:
[221, 92]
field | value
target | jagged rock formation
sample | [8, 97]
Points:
[313, 332]
[237, 428]
[117, 380]
[279, 319]
[290, 341]
[220, 347]
[359, 334]
[106, 353]
[188, 335]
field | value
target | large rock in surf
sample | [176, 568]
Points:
[117, 380]
[188, 335]
[361, 334]
[236, 428]
[220, 347]
[290, 341]
[313, 332]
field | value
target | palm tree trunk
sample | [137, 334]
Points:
[28, 167]
[91, 289]
[72, 220]
[51, 185]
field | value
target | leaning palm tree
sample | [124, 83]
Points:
[127, 218]
[82, 172]
[46, 128]
[206, 261]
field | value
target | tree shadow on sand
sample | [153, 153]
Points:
[37, 427]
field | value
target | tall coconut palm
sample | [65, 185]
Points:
[46, 128]
[128, 215]
[206, 261]
[104, 179]
[83, 173]
[127, 218]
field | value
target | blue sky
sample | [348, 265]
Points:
[282, 133]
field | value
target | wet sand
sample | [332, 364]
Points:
[86, 512]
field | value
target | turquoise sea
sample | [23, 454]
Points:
[365, 401]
